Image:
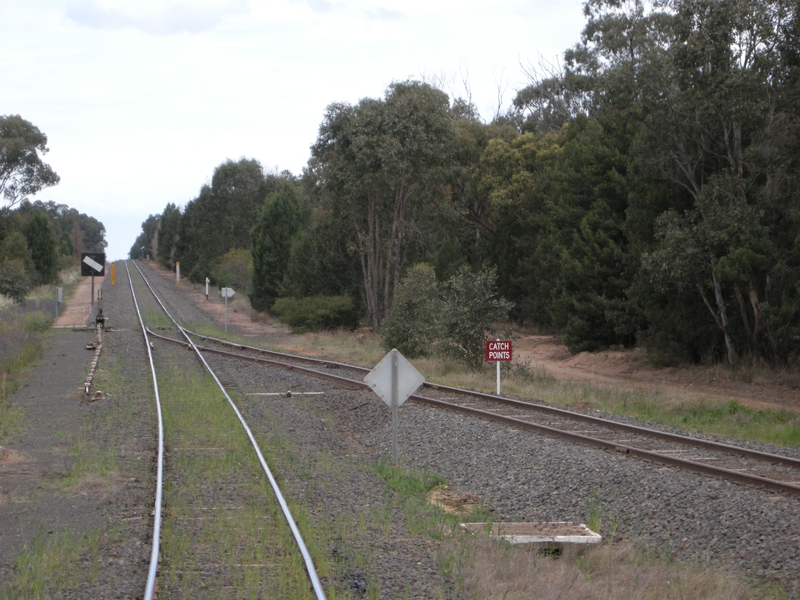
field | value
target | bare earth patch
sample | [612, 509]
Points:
[453, 502]
[629, 369]
[77, 311]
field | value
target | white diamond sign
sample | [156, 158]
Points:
[93, 263]
[380, 378]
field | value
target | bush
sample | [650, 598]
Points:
[234, 269]
[36, 322]
[471, 305]
[316, 312]
[450, 320]
[15, 281]
[412, 325]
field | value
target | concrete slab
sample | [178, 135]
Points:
[556, 533]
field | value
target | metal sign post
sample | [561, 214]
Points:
[227, 293]
[394, 379]
[498, 351]
[59, 299]
[394, 406]
[93, 263]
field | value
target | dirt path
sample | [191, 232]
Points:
[76, 312]
[617, 369]
[629, 369]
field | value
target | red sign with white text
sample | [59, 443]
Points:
[498, 350]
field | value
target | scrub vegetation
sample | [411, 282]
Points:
[22, 340]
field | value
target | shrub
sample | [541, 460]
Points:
[451, 319]
[471, 305]
[412, 324]
[36, 322]
[234, 269]
[15, 281]
[316, 312]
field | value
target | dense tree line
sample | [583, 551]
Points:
[645, 193]
[37, 239]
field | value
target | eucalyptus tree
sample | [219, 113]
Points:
[377, 164]
[221, 217]
[22, 170]
[168, 228]
[42, 244]
[700, 95]
[280, 218]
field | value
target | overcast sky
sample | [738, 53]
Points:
[141, 100]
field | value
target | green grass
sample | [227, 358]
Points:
[56, 561]
[776, 426]
[209, 453]
[22, 342]
[731, 419]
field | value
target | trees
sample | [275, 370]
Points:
[694, 105]
[272, 244]
[221, 217]
[376, 163]
[22, 171]
[168, 227]
[42, 245]
[147, 241]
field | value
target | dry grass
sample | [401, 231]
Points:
[496, 570]
[759, 374]
[361, 347]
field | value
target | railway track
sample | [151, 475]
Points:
[186, 444]
[774, 472]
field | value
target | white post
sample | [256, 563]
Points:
[226, 309]
[394, 406]
[177, 273]
[498, 373]
[207, 288]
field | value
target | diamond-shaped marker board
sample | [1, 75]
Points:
[380, 379]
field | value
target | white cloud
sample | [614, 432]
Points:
[154, 17]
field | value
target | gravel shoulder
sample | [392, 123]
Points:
[75, 491]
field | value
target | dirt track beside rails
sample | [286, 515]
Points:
[77, 311]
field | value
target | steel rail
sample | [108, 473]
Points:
[731, 475]
[151, 573]
[309, 563]
[559, 412]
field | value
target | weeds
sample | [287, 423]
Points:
[22, 330]
[493, 569]
[598, 519]
[210, 457]
[50, 563]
